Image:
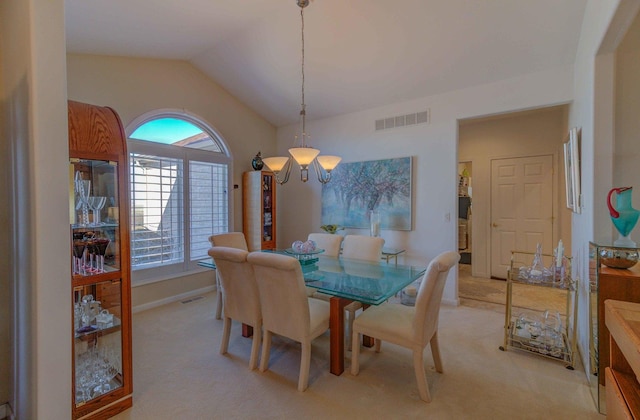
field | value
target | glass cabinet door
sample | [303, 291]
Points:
[98, 340]
[96, 280]
[94, 217]
[267, 206]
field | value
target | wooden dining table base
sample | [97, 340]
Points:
[336, 337]
[247, 330]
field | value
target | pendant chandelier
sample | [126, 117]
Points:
[304, 154]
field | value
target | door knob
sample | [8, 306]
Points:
[494, 224]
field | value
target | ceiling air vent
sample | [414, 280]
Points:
[403, 120]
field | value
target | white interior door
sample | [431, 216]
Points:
[521, 208]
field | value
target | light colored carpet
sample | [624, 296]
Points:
[525, 298]
[179, 374]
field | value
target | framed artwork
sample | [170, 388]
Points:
[356, 188]
[572, 170]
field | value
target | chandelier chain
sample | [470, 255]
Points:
[304, 155]
[303, 110]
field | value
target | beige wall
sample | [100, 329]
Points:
[434, 149]
[34, 127]
[593, 110]
[529, 133]
[627, 117]
[135, 86]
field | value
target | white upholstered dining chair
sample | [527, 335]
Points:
[359, 247]
[412, 327]
[286, 310]
[231, 240]
[240, 295]
[331, 244]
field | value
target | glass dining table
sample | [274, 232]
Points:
[347, 280]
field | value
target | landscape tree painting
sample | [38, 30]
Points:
[358, 187]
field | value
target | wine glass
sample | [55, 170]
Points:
[100, 246]
[96, 204]
[91, 250]
[78, 253]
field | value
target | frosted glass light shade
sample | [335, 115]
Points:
[275, 163]
[328, 162]
[304, 155]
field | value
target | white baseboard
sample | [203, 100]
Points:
[451, 302]
[171, 299]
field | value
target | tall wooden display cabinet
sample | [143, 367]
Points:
[100, 283]
[259, 209]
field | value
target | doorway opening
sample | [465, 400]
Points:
[511, 144]
[464, 211]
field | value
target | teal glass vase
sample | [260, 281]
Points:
[623, 215]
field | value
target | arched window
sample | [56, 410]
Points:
[180, 192]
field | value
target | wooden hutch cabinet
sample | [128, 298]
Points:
[622, 284]
[259, 209]
[100, 283]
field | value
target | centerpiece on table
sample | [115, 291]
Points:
[306, 252]
[331, 228]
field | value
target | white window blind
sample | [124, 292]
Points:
[157, 234]
[208, 199]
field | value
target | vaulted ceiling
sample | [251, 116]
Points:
[359, 54]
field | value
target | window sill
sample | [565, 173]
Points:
[168, 277]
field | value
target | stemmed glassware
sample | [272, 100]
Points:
[100, 246]
[96, 204]
[79, 246]
[93, 247]
[95, 370]
[91, 250]
[83, 189]
[86, 201]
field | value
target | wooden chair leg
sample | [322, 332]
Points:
[378, 345]
[421, 377]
